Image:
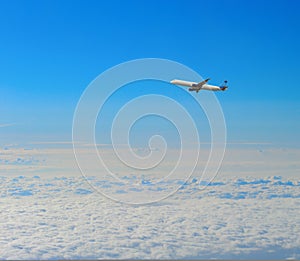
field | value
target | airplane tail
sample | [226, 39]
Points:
[224, 86]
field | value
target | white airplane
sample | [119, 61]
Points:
[194, 86]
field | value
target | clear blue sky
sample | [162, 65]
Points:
[51, 50]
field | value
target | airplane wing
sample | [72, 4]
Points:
[190, 84]
[200, 84]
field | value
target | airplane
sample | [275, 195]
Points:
[194, 86]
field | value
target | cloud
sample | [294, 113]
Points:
[52, 142]
[7, 125]
[63, 218]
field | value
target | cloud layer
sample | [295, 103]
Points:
[64, 218]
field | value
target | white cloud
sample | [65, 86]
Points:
[251, 209]
[7, 125]
[62, 218]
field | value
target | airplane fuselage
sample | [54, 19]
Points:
[194, 86]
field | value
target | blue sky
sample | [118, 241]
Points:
[51, 50]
